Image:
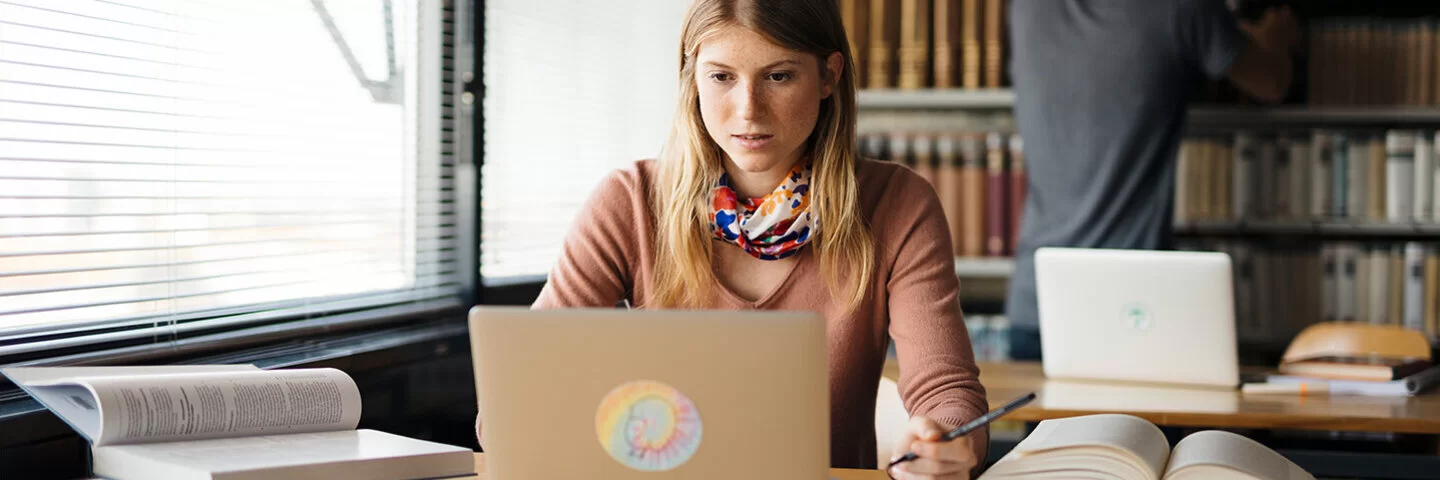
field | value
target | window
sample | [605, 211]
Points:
[179, 166]
[573, 90]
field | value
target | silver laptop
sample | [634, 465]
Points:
[611, 394]
[1137, 315]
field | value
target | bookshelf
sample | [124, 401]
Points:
[1228, 116]
[1310, 228]
[1232, 117]
[984, 267]
[936, 99]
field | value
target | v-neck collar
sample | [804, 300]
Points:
[800, 258]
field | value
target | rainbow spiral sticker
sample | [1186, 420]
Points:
[648, 426]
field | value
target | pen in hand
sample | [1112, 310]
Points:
[971, 426]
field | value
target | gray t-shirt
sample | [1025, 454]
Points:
[1101, 88]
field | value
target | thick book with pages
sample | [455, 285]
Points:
[230, 422]
[1125, 447]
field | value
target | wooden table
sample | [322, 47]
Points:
[835, 473]
[1201, 407]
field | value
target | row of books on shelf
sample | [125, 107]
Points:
[1281, 289]
[912, 44]
[1373, 61]
[979, 177]
[1372, 176]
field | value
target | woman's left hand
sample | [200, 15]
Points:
[938, 460]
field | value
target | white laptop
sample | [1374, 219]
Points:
[610, 394]
[1137, 315]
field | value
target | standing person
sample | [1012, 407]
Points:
[758, 202]
[1101, 88]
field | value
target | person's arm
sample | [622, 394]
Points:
[1263, 68]
[938, 376]
[594, 268]
[1254, 57]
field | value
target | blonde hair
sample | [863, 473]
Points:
[691, 162]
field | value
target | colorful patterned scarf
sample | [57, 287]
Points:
[768, 228]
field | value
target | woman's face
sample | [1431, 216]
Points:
[759, 100]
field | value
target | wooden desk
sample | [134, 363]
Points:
[836, 473]
[1198, 407]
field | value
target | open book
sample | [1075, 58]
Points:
[229, 422]
[1125, 447]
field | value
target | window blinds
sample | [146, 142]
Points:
[178, 165]
[573, 90]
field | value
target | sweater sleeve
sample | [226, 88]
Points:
[595, 265]
[938, 375]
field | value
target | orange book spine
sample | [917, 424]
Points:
[884, 40]
[994, 49]
[856, 16]
[947, 43]
[914, 44]
[970, 43]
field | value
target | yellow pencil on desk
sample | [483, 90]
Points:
[1286, 388]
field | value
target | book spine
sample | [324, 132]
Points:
[1400, 174]
[1205, 168]
[1244, 264]
[922, 149]
[1321, 181]
[972, 149]
[1395, 285]
[876, 146]
[855, 15]
[1434, 151]
[1255, 327]
[970, 43]
[1225, 195]
[884, 40]
[1315, 71]
[1328, 283]
[1268, 178]
[1423, 179]
[1414, 286]
[1424, 62]
[997, 195]
[1347, 269]
[994, 36]
[1246, 170]
[1378, 179]
[1340, 176]
[1298, 204]
[1432, 292]
[900, 149]
[1018, 188]
[947, 43]
[1379, 277]
[951, 189]
[1362, 284]
[1185, 162]
[914, 44]
[1356, 185]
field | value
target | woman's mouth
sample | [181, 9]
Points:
[753, 141]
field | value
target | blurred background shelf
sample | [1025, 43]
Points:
[1311, 116]
[970, 267]
[936, 99]
[1229, 116]
[1322, 228]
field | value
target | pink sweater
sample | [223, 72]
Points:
[914, 298]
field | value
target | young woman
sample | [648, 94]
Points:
[758, 202]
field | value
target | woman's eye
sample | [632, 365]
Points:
[720, 77]
[778, 77]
